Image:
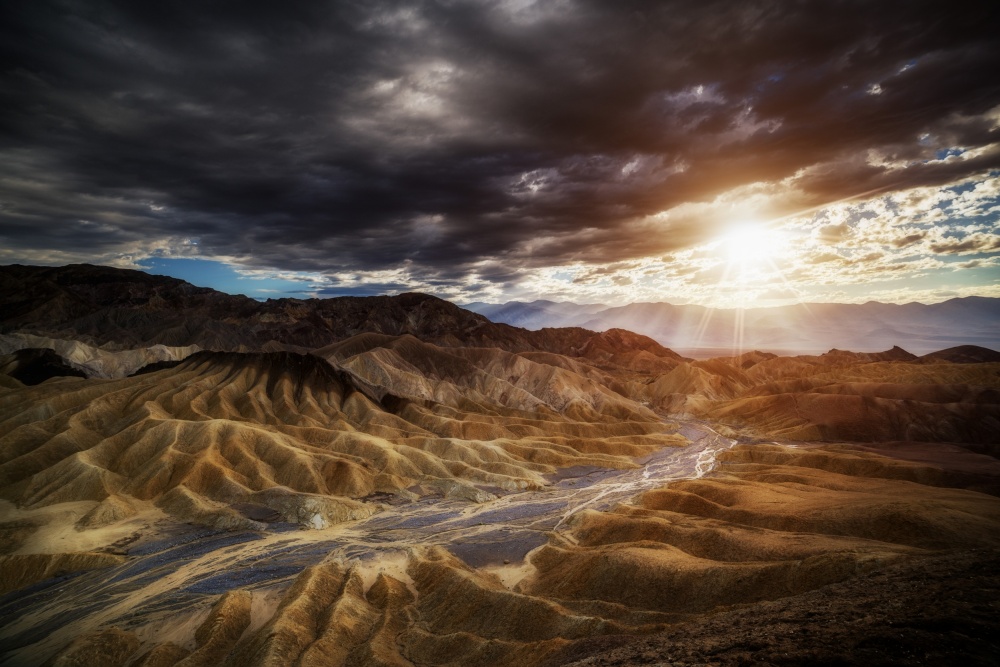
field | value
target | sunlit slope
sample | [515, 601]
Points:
[296, 434]
[95, 361]
[484, 377]
[840, 396]
[774, 522]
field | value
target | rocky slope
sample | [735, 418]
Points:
[937, 610]
[398, 481]
[117, 309]
[838, 396]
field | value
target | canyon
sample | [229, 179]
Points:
[191, 478]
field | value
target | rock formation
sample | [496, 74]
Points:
[193, 478]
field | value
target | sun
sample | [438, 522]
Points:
[750, 245]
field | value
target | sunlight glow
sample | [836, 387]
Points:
[753, 258]
[752, 245]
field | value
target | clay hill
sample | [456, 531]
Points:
[308, 438]
[948, 396]
[193, 478]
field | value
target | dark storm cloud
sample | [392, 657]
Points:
[466, 137]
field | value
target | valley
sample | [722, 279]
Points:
[499, 333]
[426, 487]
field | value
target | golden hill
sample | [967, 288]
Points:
[754, 532]
[296, 434]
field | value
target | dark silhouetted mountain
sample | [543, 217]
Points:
[836, 356]
[895, 354]
[118, 309]
[963, 354]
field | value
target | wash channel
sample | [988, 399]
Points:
[171, 572]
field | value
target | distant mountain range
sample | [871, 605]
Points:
[804, 328]
[87, 313]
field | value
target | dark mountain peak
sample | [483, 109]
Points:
[48, 299]
[963, 354]
[622, 340]
[895, 354]
[80, 275]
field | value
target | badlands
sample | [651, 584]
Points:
[193, 478]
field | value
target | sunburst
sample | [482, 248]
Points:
[751, 247]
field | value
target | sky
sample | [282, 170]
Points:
[719, 153]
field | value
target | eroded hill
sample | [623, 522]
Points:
[837, 396]
[396, 481]
[288, 430]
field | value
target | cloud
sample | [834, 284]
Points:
[821, 258]
[833, 234]
[974, 243]
[909, 239]
[778, 294]
[466, 145]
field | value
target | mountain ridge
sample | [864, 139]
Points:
[801, 328]
[117, 309]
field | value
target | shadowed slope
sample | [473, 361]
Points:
[117, 309]
[33, 366]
